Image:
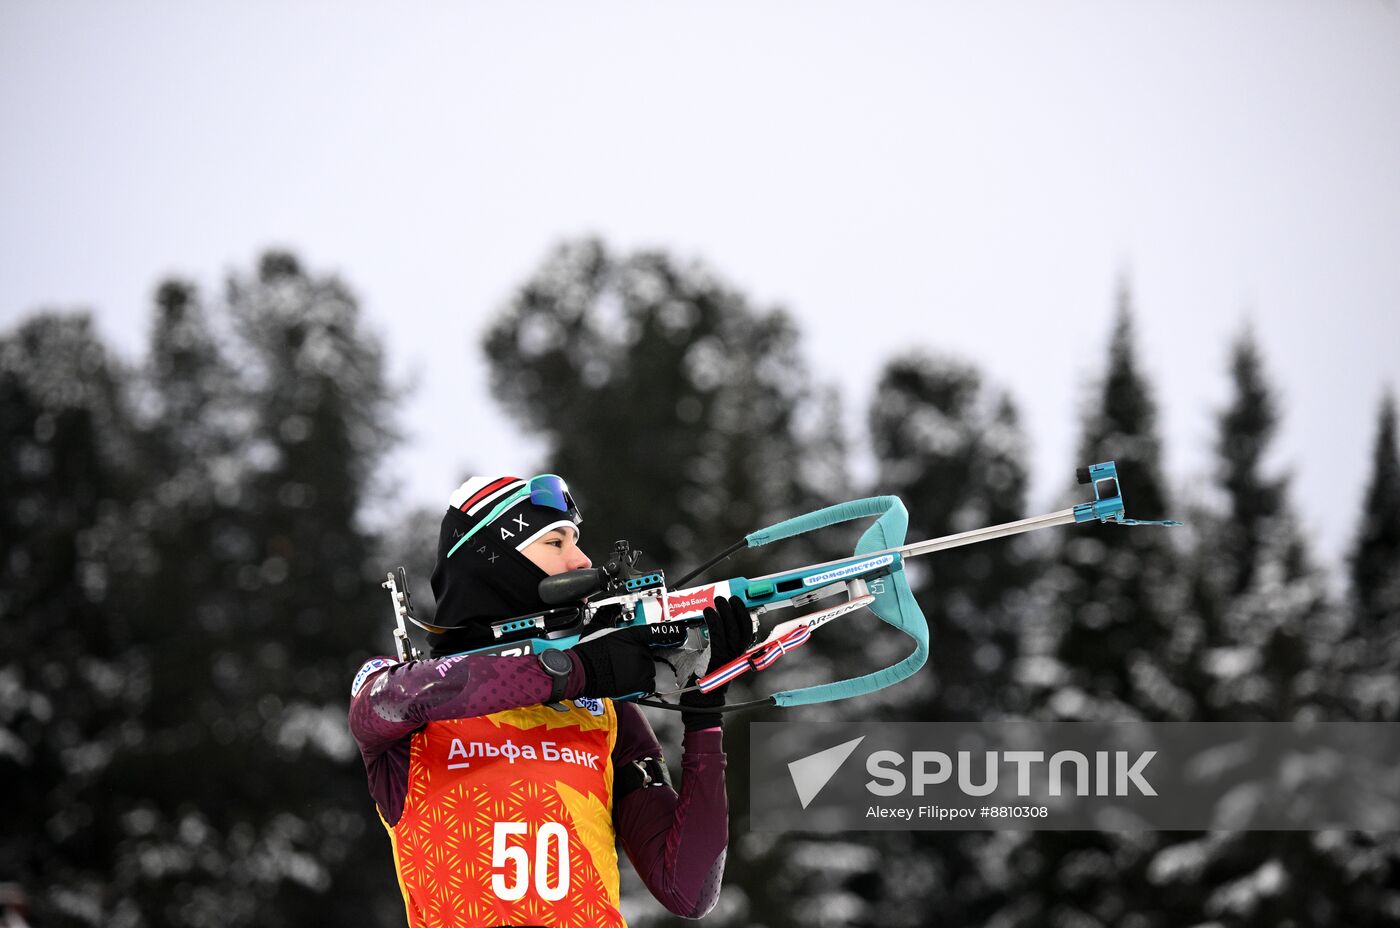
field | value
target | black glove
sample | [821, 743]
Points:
[620, 663]
[731, 633]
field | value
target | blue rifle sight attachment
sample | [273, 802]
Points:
[1107, 505]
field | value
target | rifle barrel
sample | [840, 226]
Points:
[914, 549]
[1063, 517]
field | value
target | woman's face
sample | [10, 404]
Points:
[557, 551]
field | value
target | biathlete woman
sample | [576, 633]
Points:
[503, 809]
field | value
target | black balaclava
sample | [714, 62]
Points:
[486, 578]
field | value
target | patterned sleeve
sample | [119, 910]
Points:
[392, 700]
[677, 843]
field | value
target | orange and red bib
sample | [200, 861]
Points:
[508, 820]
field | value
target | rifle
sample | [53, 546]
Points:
[597, 601]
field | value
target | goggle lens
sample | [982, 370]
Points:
[551, 490]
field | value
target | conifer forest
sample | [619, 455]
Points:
[188, 583]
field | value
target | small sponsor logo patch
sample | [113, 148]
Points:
[369, 668]
[696, 601]
[840, 573]
[594, 706]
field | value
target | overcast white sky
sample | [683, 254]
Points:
[970, 178]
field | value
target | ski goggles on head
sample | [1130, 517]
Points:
[548, 490]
